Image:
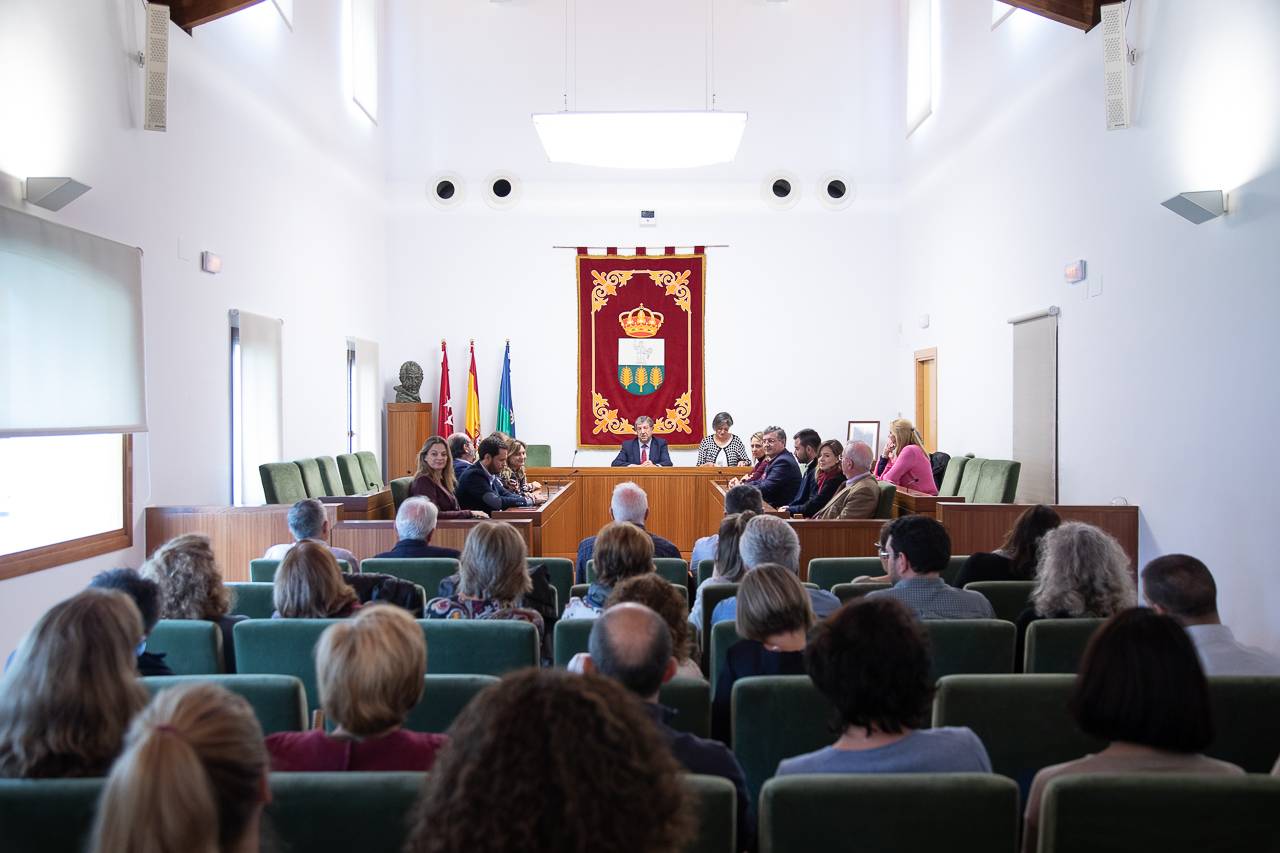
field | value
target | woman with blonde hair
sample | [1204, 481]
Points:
[193, 776]
[369, 670]
[68, 696]
[905, 462]
[436, 481]
[309, 585]
[492, 579]
[191, 587]
[622, 550]
[513, 475]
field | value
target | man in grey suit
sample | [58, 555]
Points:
[861, 493]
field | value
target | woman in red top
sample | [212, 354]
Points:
[369, 670]
[435, 480]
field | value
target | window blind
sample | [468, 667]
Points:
[1035, 406]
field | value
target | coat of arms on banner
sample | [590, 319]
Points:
[640, 354]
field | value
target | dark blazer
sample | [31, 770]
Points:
[446, 503]
[478, 489]
[820, 497]
[781, 480]
[746, 658]
[808, 486]
[460, 465]
[587, 547]
[629, 453]
[416, 548]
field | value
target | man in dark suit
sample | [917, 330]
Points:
[415, 522]
[463, 452]
[479, 486]
[629, 503]
[806, 442]
[782, 477]
[645, 450]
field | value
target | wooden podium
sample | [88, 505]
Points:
[408, 426]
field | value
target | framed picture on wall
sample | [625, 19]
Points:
[868, 431]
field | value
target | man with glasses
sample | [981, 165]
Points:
[914, 553]
[782, 476]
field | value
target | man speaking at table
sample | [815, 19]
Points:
[645, 450]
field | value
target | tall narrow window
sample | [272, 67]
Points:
[364, 56]
[919, 62]
[364, 397]
[1035, 405]
[257, 411]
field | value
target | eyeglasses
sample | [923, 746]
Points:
[882, 551]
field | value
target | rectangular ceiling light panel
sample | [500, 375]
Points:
[641, 140]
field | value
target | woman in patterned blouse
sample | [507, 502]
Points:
[513, 476]
[722, 449]
[492, 579]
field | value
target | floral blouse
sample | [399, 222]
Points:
[487, 608]
[515, 481]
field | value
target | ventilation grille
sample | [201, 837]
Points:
[1115, 58]
[156, 94]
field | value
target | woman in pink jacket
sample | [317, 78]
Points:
[905, 461]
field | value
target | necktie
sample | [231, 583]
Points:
[644, 453]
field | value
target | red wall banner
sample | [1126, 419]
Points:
[640, 347]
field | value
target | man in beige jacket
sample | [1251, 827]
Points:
[861, 493]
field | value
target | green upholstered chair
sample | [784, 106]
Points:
[311, 479]
[715, 801]
[571, 637]
[847, 592]
[255, 600]
[673, 569]
[279, 701]
[1021, 719]
[559, 572]
[47, 815]
[997, 482]
[951, 479]
[711, 596]
[1057, 645]
[400, 487]
[969, 477]
[954, 565]
[426, 572]
[1008, 598]
[443, 699]
[578, 590]
[264, 571]
[884, 507]
[339, 812]
[690, 698]
[1245, 711]
[982, 646]
[190, 646]
[706, 568]
[281, 482]
[890, 813]
[1172, 813]
[826, 572]
[538, 456]
[330, 475]
[353, 482]
[723, 635]
[777, 717]
[371, 470]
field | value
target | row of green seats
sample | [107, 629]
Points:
[350, 474]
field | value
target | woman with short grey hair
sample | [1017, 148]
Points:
[722, 448]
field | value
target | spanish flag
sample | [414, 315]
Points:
[472, 427]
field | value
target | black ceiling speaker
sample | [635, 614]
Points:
[446, 190]
[502, 190]
[835, 190]
[781, 190]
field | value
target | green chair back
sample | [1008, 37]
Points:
[311, 479]
[715, 801]
[47, 815]
[340, 812]
[371, 470]
[578, 590]
[443, 700]
[281, 482]
[353, 482]
[538, 456]
[1008, 598]
[826, 572]
[1172, 813]
[969, 477]
[978, 646]
[998, 481]
[264, 571]
[690, 698]
[330, 476]
[706, 568]
[954, 565]
[426, 572]
[400, 487]
[723, 635]
[559, 572]
[279, 701]
[950, 486]
[673, 569]
[847, 592]
[190, 646]
[711, 596]
[777, 717]
[1245, 711]
[884, 507]
[1057, 645]
[965, 813]
[571, 637]
[255, 600]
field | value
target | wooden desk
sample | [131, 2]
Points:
[367, 539]
[835, 538]
[368, 507]
[555, 524]
[911, 502]
[982, 527]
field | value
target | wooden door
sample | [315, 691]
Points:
[927, 397]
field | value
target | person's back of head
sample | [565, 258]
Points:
[191, 586]
[492, 565]
[1082, 571]
[743, 498]
[772, 601]
[144, 592]
[871, 659]
[306, 519]
[1022, 545]
[629, 503]
[369, 670]
[309, 584]
[769, 539]
[193, 777]
[416, 519]
[729, 565]
[72, 688]
[632, 645]
[923, 541]
[1140, 681]
[622, 550]
[620, 789]
[662, 597]
[458, 442]
[1181, 585]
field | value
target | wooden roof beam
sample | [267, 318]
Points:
[1081, 14]
[189, 14]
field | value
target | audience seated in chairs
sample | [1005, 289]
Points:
[369, 670]
[632, 645]
[729, 567]
[769, 539]
[622, 550]
[773, 620]
[1082, 572]
[656, 593]
[858, 496]
[415, 522]
[628, 503]
[71, 689]
[146, 597]
[492, 579]
[436, 478]
[548, 761]
[781, 479]
[193, 776]
[916, 550]
[1142, 690]
[905, 462]
[738, 499]
[308, 523]
[872, 661]
[309, 585]
[191, 587]
[1015, 560]
[828, 479]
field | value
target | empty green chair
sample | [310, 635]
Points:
[255, 600]
[1171, 813]
[538, 456]
[1245, 711]
[997, 482]
[884, 507]
[340, 812]
[47, 815]
[847, 592]
[1008, 598]
[715, 805]
[311, 479]
[190, 646]
[826, 572]
[723, 635]
[690, 698]
[281, 482]
[264, 571]
[400, 487]
[673, 569]
[969, 477]
[559, 572]
[951, 479]
[1057, 645]
[371, 470]
[330, 476]
[353, 482]
[426, 572]
[279, 701]
[711, 596]
[443, 700]
[571, 637]
[982, 646]
[706, 568]
[890, 813]
[777, 717]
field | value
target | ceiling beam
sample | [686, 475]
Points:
[189, 14]
[1081, 14]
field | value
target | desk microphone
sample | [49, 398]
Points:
[574, 459]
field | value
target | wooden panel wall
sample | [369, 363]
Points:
[982, 527]
[409, 425]
[835, 539]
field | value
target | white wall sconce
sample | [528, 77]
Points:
[1198, 207]
[53, 193]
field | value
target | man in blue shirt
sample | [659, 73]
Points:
[916, 551]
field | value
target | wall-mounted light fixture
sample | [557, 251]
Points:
[1198, 207]
[53, 193]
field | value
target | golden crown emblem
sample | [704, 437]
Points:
[641, 322]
